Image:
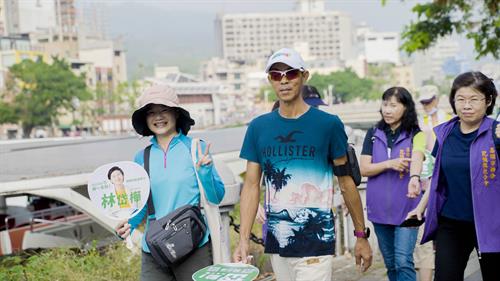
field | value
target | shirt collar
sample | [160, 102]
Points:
[388, 131]
[175, 139]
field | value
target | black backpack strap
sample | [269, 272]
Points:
[151, 207]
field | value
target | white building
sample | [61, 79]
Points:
[13, 49]
[492, 70]
[402, 76]
[230, 73]
[381, 47]
[108, 59]
[28, 16]
[3, 19]
[35, 15]
[428, 65]
[173, 74]
[242, 81]
[254, 36]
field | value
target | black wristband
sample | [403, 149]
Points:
[418, 176]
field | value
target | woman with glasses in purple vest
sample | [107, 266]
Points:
[393, 187]
[464, 199]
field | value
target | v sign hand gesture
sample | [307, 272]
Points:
[204, 158]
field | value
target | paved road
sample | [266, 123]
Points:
[45, 158]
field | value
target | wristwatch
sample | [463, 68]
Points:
[362, 234]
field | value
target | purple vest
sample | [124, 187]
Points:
[386, 200]
[485, 180]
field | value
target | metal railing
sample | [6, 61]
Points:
[47, 215]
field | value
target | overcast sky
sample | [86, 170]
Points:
[182, 32]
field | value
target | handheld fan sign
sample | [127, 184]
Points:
[227, 272]
[119, 190]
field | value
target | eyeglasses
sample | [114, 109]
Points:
[290, 74]
[473, 101]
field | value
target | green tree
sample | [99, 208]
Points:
[381, 75]
[7, 113]
[112, 101]
[126, 94]
[347, 85]
[41, 92]
[479, 20]
[271, 94]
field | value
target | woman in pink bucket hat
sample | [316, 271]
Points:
[173, 177]
[158, 96]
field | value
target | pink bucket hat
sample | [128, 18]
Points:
[163, 95]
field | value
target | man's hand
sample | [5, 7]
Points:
[363, 254]
[249, 204]
[497, 131]
[241, 252]
[261, 215]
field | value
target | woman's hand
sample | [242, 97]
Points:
[123, 229]
[204, 158]
[417, 212]
[414, 187]
[497, 131]
[398, 164]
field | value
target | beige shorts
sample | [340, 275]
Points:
[302, 269]
[424, 254]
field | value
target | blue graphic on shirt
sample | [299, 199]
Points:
[296, 160]
[298, 230]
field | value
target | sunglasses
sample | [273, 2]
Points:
[290, 74]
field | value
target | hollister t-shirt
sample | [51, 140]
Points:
[296, 157]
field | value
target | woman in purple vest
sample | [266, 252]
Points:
[393, 187]
[464, 199]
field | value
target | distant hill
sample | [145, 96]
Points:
[158, 36]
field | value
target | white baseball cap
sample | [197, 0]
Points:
[287, 56]
[428, 93]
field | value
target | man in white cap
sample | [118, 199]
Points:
[296, 147]
[433, 116]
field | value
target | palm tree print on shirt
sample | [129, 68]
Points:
[268, 171]
[276, 177]
[280, 179]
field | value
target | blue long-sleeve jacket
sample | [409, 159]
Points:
[173, 181]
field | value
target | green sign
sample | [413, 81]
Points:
[427, 166]
[227, 272]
